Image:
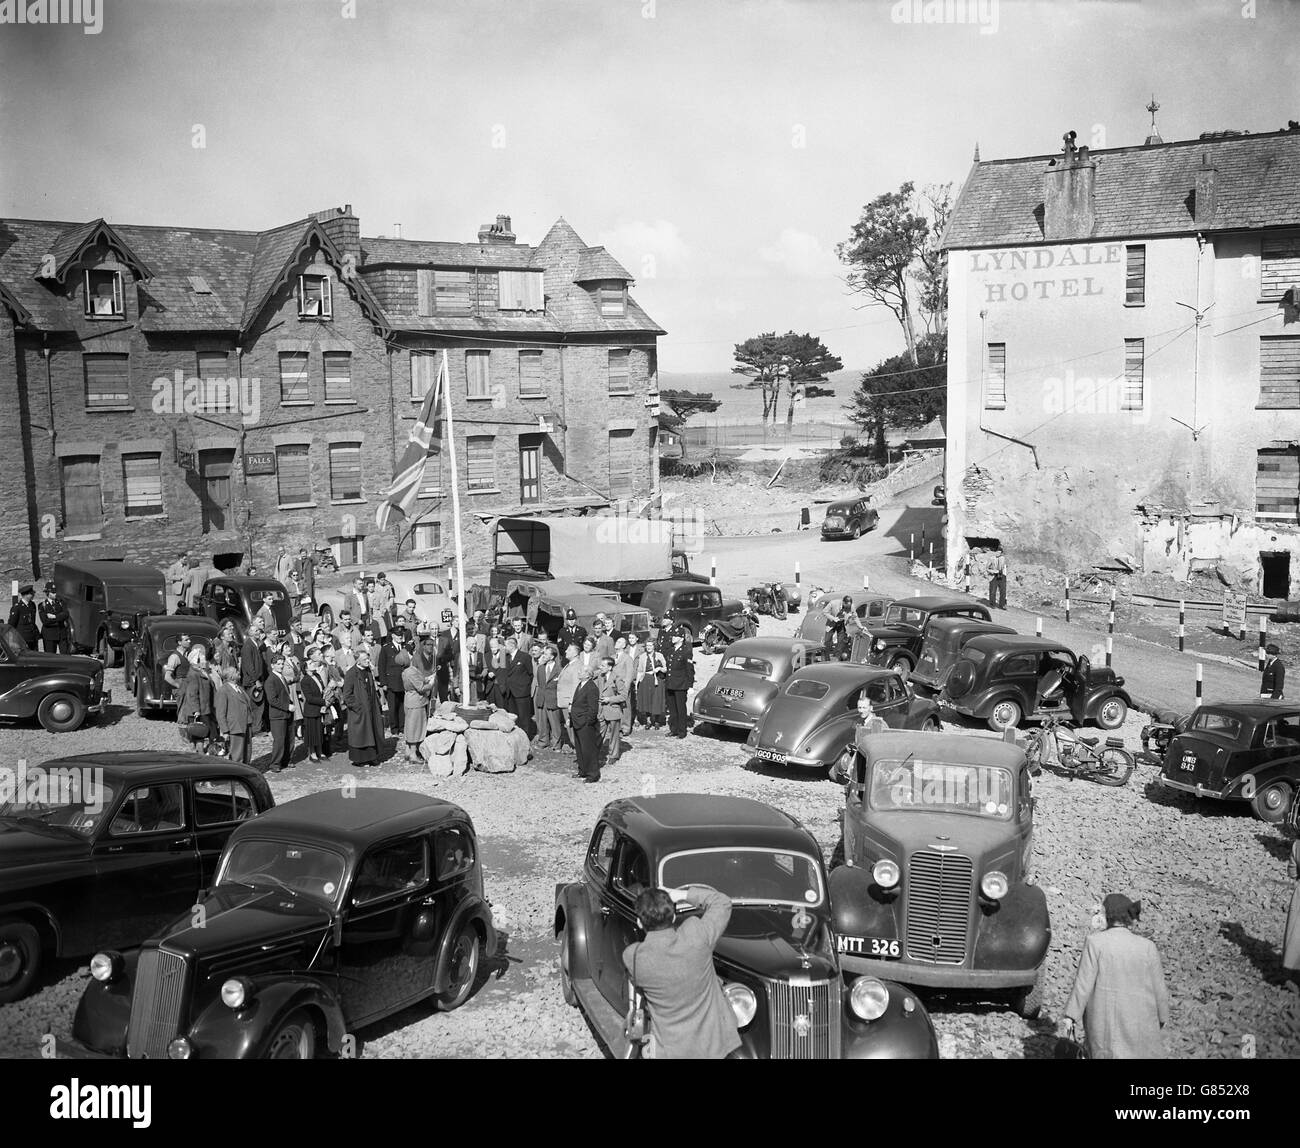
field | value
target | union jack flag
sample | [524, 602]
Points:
[423, 443]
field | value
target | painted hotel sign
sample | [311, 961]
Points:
[1028, 274]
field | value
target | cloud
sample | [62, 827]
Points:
[801, 255]
[646, 249]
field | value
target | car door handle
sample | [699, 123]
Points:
[604, 910]
[181, 843]
[113, 849]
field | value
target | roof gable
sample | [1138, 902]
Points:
[74, 242]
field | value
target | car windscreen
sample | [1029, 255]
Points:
[905, 615]
[300, 868]
[65, 797]
[942, 787]
[807, 688]
[133, 596]
[1225, 725]
[747, 875]
[744, 664]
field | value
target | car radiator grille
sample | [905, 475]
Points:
[156, 1004]
[939, 889]
[804, 1019]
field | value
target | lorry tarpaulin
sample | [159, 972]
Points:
[593, 548]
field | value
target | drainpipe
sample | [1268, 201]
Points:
[49, 388]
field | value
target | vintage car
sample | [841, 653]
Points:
[896, 640]
[815, 717]
[328, 913]
[936, 888]
[1004, 678]
[812, 626]
[849, 518]
[543, 606]
[146, 657]
[426, 584]
[1242, 751]
[106, 602]
[748, 679]
[109, 847]
[777, 957]
[943, 641]
[59, 690]
[692, 605]
[239, 598]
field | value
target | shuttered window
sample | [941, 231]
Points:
[104, 298]
[345, 471]
[1279, 371]
[83, 504]
[620, 463]
[480, 462]
[431, 482]
[519, 290]
[108, 381]
[530, 373]
[620, 380]
[476, 374]
[293, 471]
[453, 292]
[314, 297]
[1134, 369]
[424, 369]
[220, 392]
[293, 377]
[1277, 484]
[428, 536]
[424, 292]
[338, 377]
[1279, 265]
[995, 385]
[612, 300]
[142, 482]
[1135, 278]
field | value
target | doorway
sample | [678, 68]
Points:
[215, 470]
[530, 469]
[1275, 573]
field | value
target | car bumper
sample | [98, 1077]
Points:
[1224, 794]
[101, 704]
[838, 532]
[938, 976]
[65, 1048]
[730, 719]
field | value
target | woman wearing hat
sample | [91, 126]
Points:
[1119, 993]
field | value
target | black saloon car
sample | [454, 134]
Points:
[1248, 751]
[849, 518]
[943, 642]
[108, 848]
[328, 913]
[777, 959]
[146, 657]
[59, 690]
[896, 640]
[1004, 678]
[239, 598]
[692, 606]
[749, 677]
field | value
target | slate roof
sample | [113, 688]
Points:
[597, 263]
[381, 250]
[1139, 191]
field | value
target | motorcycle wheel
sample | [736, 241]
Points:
[1113, 767]
[707, 643]
[779, 608]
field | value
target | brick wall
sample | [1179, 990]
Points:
[15, 541]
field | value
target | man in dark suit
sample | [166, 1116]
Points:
[1274, 679]
[519, 686]
[680, 678]
[390, 678]
[22, 617]
[571, 634]
[234, 714]
[252, 674]
[279, 708]
[55, 622]
[584, 715]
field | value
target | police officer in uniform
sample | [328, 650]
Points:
[664, 640]
[23, 616]
[571, 634]
[55, 622]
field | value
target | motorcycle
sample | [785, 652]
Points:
[1157, 735]
[720, 634]
[769, 598]
[780, 600]
[1065, 751]
[760, 599]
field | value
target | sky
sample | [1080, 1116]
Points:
[720, 148]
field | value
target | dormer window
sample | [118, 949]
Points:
[611, 298]
[314, 299]
[104, 298]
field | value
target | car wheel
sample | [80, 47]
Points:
[566, 971]
[104, 651]
[1112, 713]
[1005, 714]
[1027, 1001]
[902, 663]
[61, 713]
[462, 969]
[931, 725]
[295, 1040]
[1273, 802]
[857, 530]
[20, 959]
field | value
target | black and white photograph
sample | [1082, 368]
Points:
[418, 417]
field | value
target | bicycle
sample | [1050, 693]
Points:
[1055, 745]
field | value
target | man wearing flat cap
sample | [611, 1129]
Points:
[1119, 993]
[22, 616]
[1271, 684]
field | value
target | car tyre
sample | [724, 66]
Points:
[141, 710]
[462, 969]
[61, 712]
[1005, 714]
[1272, 803]
[1112, 713]
[294, 1040]
[20, 959]
[1027, 1001]
[104, 651]
[857, 530]
[566, 971]
[901, 663]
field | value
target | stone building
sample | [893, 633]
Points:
[1124, 358]
[224, 392]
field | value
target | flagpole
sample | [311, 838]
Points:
[460, 552]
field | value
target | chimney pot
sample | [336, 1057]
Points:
[1069, 203]
[1205, 196]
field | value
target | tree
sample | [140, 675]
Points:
[761, 359]
[682, 404]
[807, 363]
[896, 394]
[932, 275]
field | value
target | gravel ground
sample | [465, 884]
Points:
[1211, 879]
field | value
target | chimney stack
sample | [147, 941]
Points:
[498, 232]
[1204, 201]
[1069, 193]
[343, 229]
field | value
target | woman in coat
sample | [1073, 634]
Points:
[365, 712]
[313, 700]
[418, 682]
[1291, 938]
[196, 702]
[651, 697]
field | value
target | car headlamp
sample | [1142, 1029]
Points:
[742, 1000]
[180, 1049]
[236, 992]
[885, 873]
[868, 998]
[995, 885]
[126, 623]
[880, 643]
[106, 967]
